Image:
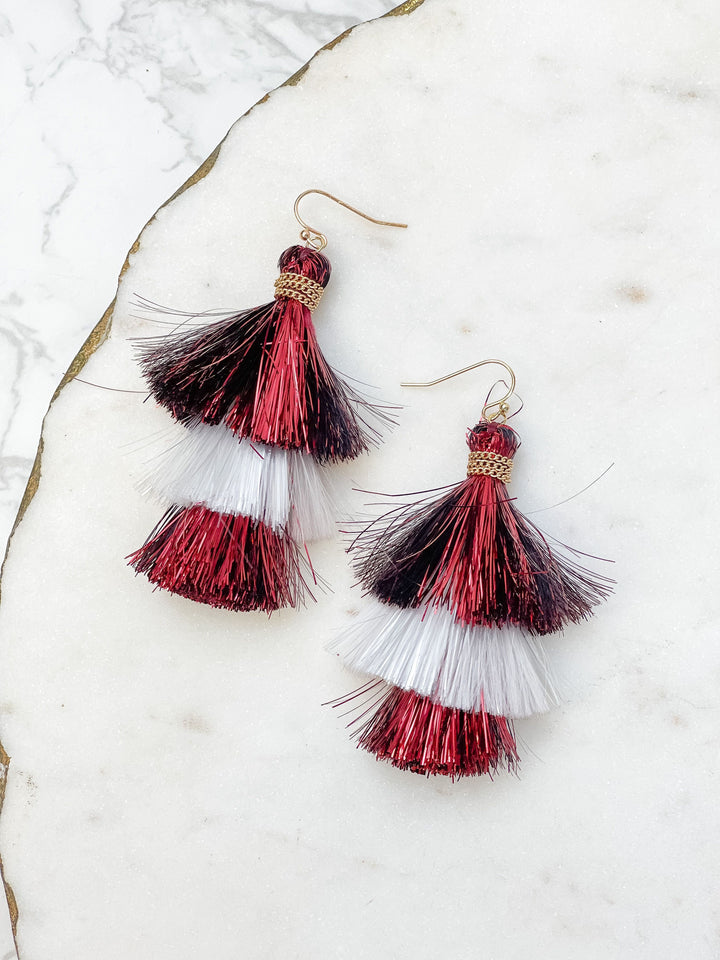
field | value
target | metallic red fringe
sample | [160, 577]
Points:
[413, 733]
[263, 374]
[226, 561]
[472, 551]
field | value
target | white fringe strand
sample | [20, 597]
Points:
[286, 489]
[459, 666]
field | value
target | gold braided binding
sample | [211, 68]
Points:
[297, 287]
[489, 464]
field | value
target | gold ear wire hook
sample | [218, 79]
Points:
[318, 240]
[501, 404]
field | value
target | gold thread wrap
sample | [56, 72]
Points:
[484, 462]
[296, 287]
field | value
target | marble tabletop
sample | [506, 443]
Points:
[557, 165]
[108, 106]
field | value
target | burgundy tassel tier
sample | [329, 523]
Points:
[413, 733]
[262, 374]
[473, 552]
[226, 561]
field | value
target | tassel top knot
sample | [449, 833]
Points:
[304, 274]
[492, 446]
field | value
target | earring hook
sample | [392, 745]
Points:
[318, 240]
[501, 404]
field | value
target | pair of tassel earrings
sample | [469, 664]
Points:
[463, 585]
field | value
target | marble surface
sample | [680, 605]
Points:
[557, 167]
[108, 106]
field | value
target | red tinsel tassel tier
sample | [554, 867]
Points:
[227, 561]
[473, 552]
[414, 733]
[262, 373]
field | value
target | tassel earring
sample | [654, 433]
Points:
[464, 587]
[264, 414]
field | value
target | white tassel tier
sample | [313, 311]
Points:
[209, 465]
[457, 665]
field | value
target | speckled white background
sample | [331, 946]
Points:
[558, 171]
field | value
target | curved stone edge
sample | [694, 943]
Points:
[97, 336]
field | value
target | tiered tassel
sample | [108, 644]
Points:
[464, 586]
[264, 413]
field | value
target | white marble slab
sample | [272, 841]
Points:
[107, 109]
[176, 789]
